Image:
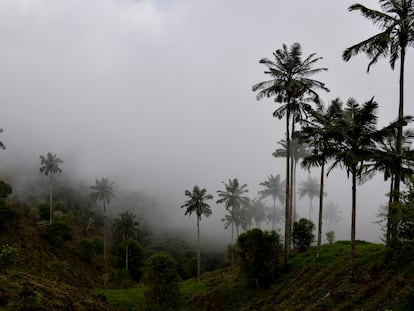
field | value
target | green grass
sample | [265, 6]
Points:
[309, 284]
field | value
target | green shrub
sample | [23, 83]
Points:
[9, 214]
[5, 189]
[161, 283]
[302, 235]
[258, 252]
[8, 256]
[44, 210]
[330, 236]
[58, 232]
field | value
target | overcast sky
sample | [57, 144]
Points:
[156, 94]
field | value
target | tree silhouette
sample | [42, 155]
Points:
[274, 188]
[196, 204]
[232, 197]
[396, 21]
[103, 191]
[290, 84]
[2, 146]
[125, 227]
[50, 167]
[310, 188]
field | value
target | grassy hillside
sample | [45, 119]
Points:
[310, 284]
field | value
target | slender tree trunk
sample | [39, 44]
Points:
[318, 246]
[388, 233]
[198, 249]
[353, 223]
[126, 256]
[274, 215]
[232, 243]
[396, 194]
[287, 202]
[104, 231]
[51, 198]
[294, 191]
[310, 209]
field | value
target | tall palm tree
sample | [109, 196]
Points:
[332, 213]
[356, 147]
[103, 191]
[232, 197]
[396, 21]
[316, 132]
[259, 212]
[196, 204]
[290, 84]
[310, 188]
[50, 167]
[125, 227]
[273, 187]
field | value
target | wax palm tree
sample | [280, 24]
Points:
[232, 197]
[317, 133]
[290, 84]
[356, 147]
[125, 228]
[274, 188]
[50, 167]
[103, 191]
[389, 162]
[332, 213]
[310, 188]
[197, 204]
[396, 21]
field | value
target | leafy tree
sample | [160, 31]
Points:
[58, 232]
[103, 191]
[274, 188]
[330, 236]
[303, 236]
[50, 167]
[8, 211]
[309, 187]
[258, 252]
[396, 21]
[197, 204]
[232, 197]
[125, 229]
[161, 283]
[290, 84]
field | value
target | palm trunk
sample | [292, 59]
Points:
[318, 246]
[51, 198]
[232, 243]
[126, 256]
[198, 249]
[396, 194]
[389, 222]
[104, 231]
[287, 203]
[274, 215]
[353, 220]
[294, 191]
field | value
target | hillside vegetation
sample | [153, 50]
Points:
[310, 284]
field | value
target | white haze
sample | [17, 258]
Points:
[156, 95]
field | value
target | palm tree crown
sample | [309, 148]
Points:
[50, 164]
[103, 191]
[196, 202]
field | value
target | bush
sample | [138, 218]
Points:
[9, 214]
[330, 236]
[258, 252]
[303, 236]
[44, 210]
[58, 232]
[8, 256]
[161, 283]
[5, 189]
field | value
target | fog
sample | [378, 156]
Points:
[156, 95]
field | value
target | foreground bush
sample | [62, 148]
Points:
[303, 235]
[161, 283]
[258, 252]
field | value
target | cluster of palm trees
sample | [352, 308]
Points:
[343, 137]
